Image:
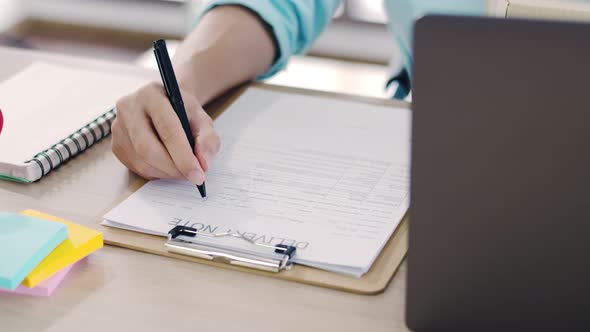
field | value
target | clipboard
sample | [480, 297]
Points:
[373, 282]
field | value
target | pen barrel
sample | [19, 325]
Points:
[178, 106]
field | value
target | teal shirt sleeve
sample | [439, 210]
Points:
[295, 24]
[403, 13]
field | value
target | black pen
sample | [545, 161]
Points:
[173, 93]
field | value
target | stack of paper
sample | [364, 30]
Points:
[38, 250]
[330, 177]
[24, 243]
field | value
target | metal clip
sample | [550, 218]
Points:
[223, 247]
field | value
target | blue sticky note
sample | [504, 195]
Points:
[24, 243]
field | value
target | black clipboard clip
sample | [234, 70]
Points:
[231, 248]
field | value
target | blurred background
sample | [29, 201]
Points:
[352, 56]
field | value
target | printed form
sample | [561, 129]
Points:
[330, 177]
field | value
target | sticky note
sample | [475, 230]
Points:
[46, 287]
[24, 242]
[80, 243]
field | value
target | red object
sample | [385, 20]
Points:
[1, 121]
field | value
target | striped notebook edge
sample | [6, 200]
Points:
[69, 147]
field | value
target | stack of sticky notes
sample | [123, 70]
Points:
[38, 250]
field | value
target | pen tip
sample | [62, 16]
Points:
[202, 191]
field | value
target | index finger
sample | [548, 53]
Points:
[170, 131]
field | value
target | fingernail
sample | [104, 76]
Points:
[196, 177]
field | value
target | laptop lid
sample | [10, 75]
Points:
[500, 206]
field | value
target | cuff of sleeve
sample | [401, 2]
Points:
[272, 18]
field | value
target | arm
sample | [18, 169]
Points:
[230, 45]
[403, 13]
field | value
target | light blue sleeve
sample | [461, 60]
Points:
[294, 23]
[403, 13]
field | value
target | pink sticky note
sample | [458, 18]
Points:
[46, 287]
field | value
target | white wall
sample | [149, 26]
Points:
[10, 13]
[170, 18]
[357, 41]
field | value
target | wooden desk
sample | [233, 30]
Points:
[123, 290]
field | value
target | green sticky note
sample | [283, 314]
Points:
[24, 243]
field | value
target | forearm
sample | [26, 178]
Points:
[230, 45]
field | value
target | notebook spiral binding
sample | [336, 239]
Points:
[74, 144]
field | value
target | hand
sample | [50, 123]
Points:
[148, 137]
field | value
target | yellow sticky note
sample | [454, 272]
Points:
[80, 243]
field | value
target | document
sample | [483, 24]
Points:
[330, 177]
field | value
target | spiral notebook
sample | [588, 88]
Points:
[53, 113]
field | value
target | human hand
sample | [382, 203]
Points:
[148, 137]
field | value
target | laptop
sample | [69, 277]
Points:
[500, 205]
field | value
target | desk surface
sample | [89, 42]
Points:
[128, 290]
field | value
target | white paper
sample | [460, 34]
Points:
[44, 103]
[329, 177]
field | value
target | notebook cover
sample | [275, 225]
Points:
[24, 242]
[80, 243]
[46, 287]
[60, 131]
